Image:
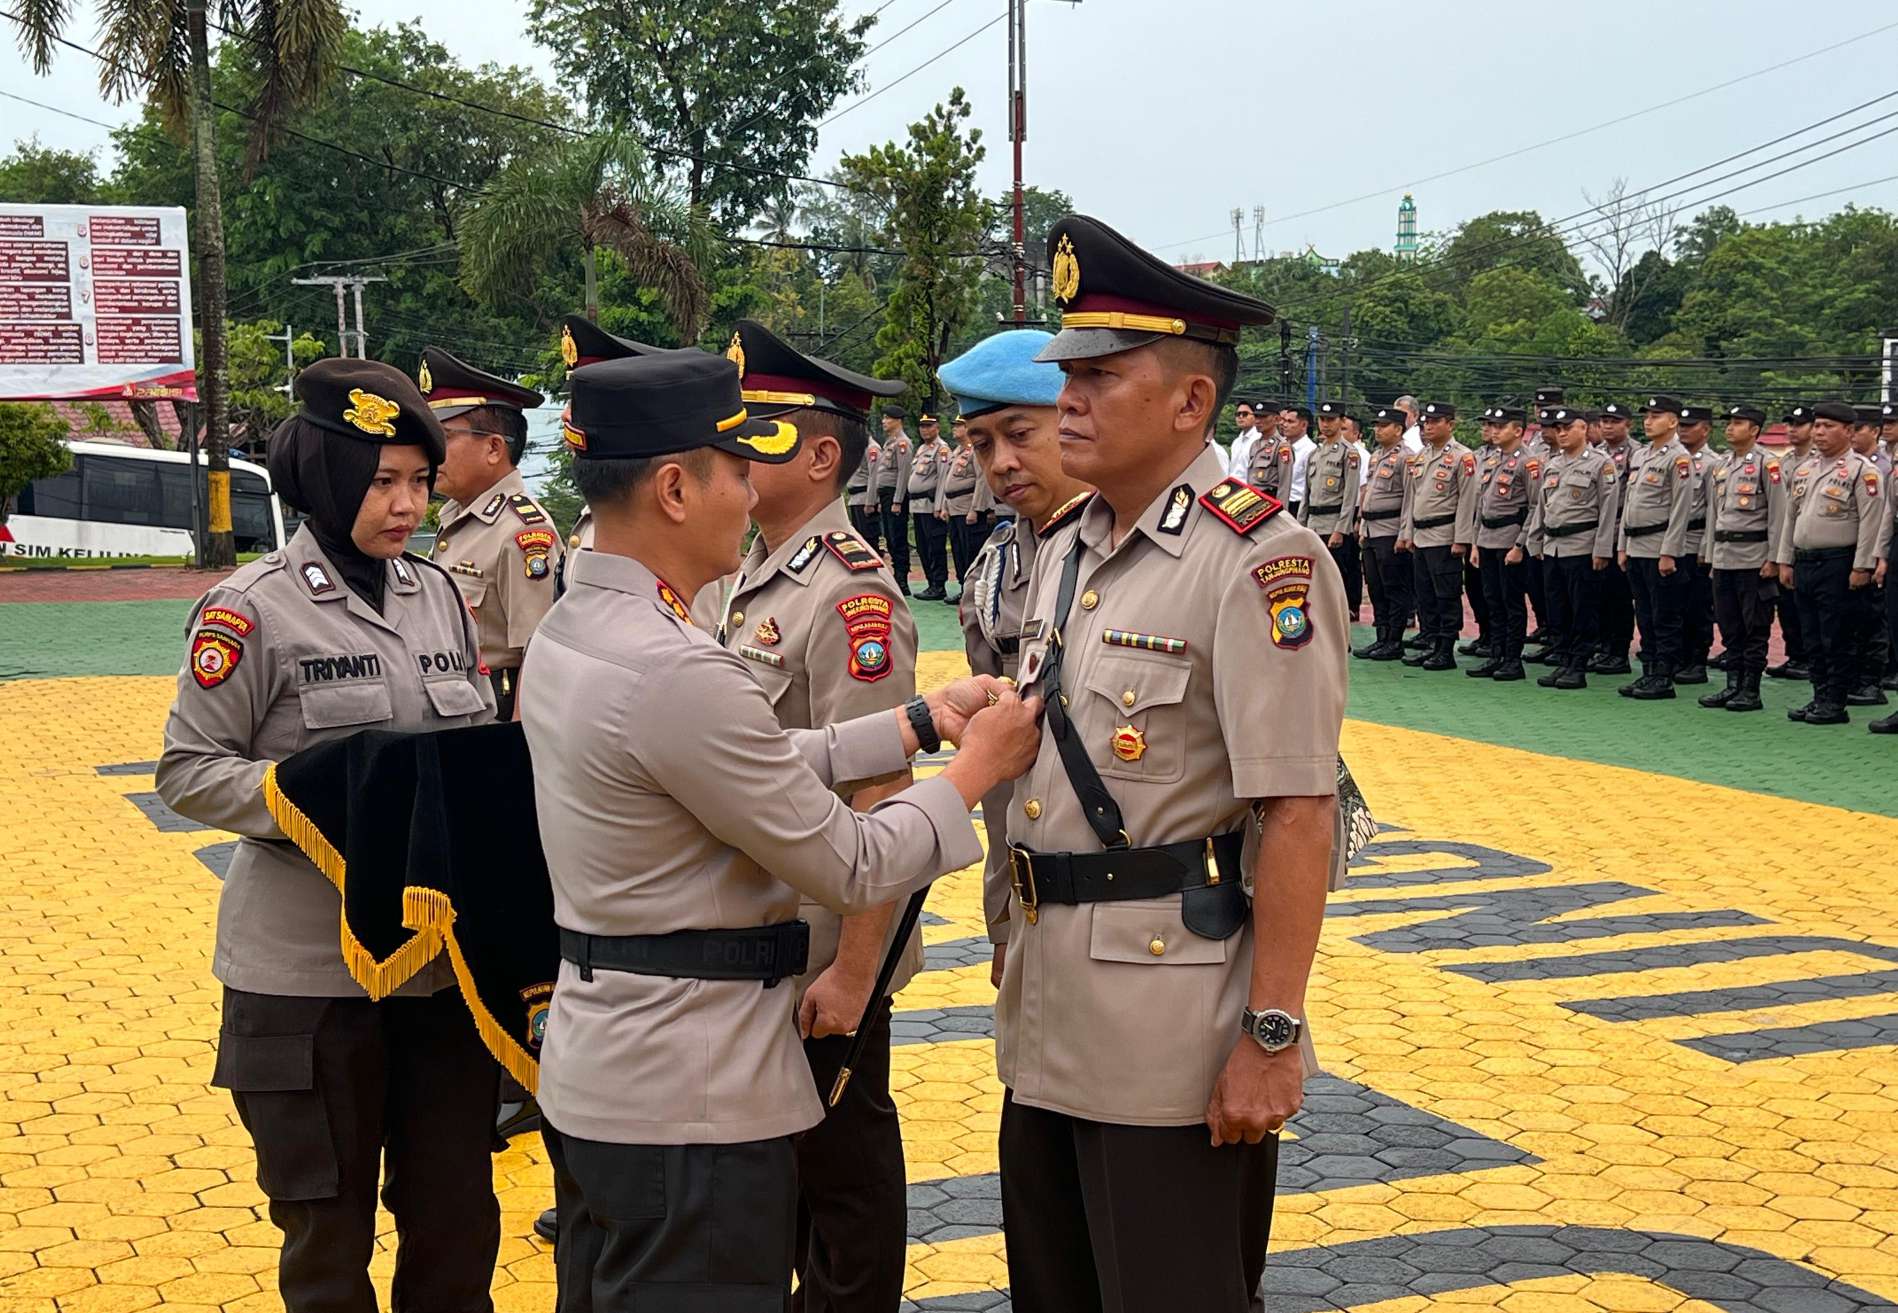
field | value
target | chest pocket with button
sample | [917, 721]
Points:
[357, 702]
[453, 698]
[1144, 691]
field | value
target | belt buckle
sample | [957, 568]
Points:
[1020, 864]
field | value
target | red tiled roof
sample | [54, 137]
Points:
[125, 429]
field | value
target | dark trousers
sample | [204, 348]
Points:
[1659, 600]
[895, 524]
[965, 540]
[674, 1228]
[1505, 595]
[340, 1094]
[1891, 626]
[1103, 1218]
[1537, 586]
[1389, 573]
[867, 522]
[852, 1215]
[1822, 584]
[1616, 605]
[1790, 629]
[1437, 577]
[507, 686]
[1869, 645]
[1572, 587]
[1472, 584]
[1350, 563]
[932, 544]
[1697, 615]
[1743, 603]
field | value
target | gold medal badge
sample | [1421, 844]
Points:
[1130, 744]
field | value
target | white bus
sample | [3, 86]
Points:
[131, 501]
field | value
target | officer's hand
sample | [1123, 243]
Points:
[969, 518]
[1459, 549]
[1621, 559]
[1401, 545]
[1001, 741]
[1785, 576]
[1771, 571]
[995, 965]
[956, 702]
[942, 515]
[1878, 575]
[834, 1003]
[1861, 578]
[1256, 1094]
[1515, 556]
[1336, 540]
[1667, 565]
[1601, 562]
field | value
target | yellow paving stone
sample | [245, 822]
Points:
[108, 1299]
[47, 1282]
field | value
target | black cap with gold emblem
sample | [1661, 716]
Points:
[453, 387]
[778, 377]
[369, 400]
[1116, 297]
[666, 403]
[583, 343]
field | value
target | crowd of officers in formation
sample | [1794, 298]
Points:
[721, 740]
[1561, 514]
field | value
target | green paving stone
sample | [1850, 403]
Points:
[48, 640]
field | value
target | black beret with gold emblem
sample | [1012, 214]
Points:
[778, 377]
[666, 403]
[1116, 297]
[369, 400]
[453, 387]
[583, 343]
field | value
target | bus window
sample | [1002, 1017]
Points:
[56, 498]
[250, 513]
[122, 492]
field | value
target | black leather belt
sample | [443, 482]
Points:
[1326, 510]
[1739, 535]
[1644, 530]
[1498, 522]
[1122, 874]
[769, 953]
[1821, 553]
[1008, 646]
[1570, 530]
[1433, 521]
[1701, 523]
[1391, 514]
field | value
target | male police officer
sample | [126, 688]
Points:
[928, 463]
[672, 1082]
[1572, 529]
[1799, 450]
[1686, 543]
[1385, 502]
[818, 620]
[1616, 602]
[1442, 479]
[1190, 642]
[1332, 476]
[1657, 498]
[497, 543]
[1269, 468]
[1746, 498]
[1492, 524]
[889, 479]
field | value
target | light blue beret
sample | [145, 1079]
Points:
[1001, 371]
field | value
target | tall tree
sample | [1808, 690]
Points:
[162, 49]
[32, 446]
[1512, 239]
[40, 175]
[728, 95]
[937, 219]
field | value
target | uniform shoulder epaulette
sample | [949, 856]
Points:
[852, 551]
[1066, 514]
[1003, 531]
[1242, 506]
[524, 507]
[246, 577]
[801, 559]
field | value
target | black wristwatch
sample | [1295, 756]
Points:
[1274, 1030]
[924, 723]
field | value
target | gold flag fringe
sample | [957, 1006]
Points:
[421, 907]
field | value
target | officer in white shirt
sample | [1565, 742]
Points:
[1413, 436]
[1251, 415]
[1295, 423]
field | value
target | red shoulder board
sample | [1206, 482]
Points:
[851, 550]
[1065, 515]
[1240, 505]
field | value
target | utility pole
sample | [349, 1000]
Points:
[289, 359]
[339, 282]
[1238, 234]
[1311, 365]
[1285, 358]
[1258, 232]
[1888, 390]
[1018, 135]
[1344, 374]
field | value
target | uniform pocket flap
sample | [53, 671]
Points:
[453, 698]
[1150, 932]
[774, 680]
[360, 703]
[260, 1064]
[474, 588]
[1135, 682]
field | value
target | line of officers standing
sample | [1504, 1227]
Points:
[928, 483]
[1602, 538]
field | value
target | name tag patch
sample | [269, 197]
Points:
[329, 669]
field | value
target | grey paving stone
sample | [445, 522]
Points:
[217, 857]
[1784, 1041]
[128, 768]
[1698, 1002]
[161, 816]
[1660, 956]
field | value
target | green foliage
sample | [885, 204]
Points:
[32, 446]
[38, 175]
[1518, 239]
[937, 218]
[257, 372]
[738, 88]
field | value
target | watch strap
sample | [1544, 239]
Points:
[927, 738]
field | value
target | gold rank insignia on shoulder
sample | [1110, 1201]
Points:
[1145, 642]
[801, 561]
[569, 349]
[371, 413]
[771, 659]
[524, 507]
[1243, 507]
[1174, 520]
[669, 598]
[851, 551]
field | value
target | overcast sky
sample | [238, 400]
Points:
[1161, 116]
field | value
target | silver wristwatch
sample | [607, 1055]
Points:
[1274, 1030]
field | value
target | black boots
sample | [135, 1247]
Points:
[1442, 656]
[1695, 673]
[1508, 671]
[1604, 664]
[1747, 696]
[1655, 684]
[1725, 695]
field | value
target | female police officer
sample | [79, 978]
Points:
[337, 633]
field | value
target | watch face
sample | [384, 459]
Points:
[1275, 1029]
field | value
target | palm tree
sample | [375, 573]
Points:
[162, 49]
[585, 194]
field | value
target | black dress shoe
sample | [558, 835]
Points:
[1889, 683]
[1889, 725]
[547, 1225]
[1790, 670]
[1828, 713]
[1694, 674]
[1416, 643]
[933, 593]
[1866, 695]
[1417, 658]
[1508, 672]
[1540, 635]
[1388, 651]
[515, 1119]
[1478, 647]
[1720, 662]
[1798, 713]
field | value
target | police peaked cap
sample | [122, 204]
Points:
[666, 403]
[583, 343]
[777, 377]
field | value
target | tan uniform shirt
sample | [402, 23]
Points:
[1659, 489]
[1505, 481]
[963, 487]
[892, 469]
[503, 553]
[860, 490]
[927, 465]
[1331, 489]
[1442, 494]
[1580, 496]
[1270, 468]
[283, 656]
[1622, 454]
[1115, 1011]
[1686, 535]
[671, 799]
[820, 626]
[1834, 503]
[1386, 492]
[1745, 495]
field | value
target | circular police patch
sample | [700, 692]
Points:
[1291, 622]
[536, 567]
[872, 655]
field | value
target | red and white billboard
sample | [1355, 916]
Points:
[95, 301]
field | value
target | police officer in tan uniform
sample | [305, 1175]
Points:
[1571, 529]
[1007, 398]
[1656, 503]
[817, 619]
[337, 633]
[680, 821]
[499, 544]
[964, 503]
[1687, 543]
[1492, 527]
[1799, 450]
[1269, 468]
[1442, 480]
[1190, 641]
[1828, 547]
[1746, 498]
[889, 481]
[1616, 601]
[927, 466]
[1381, 520]
[1333, 477]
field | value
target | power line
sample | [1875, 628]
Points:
[54, 109]
[865, 100]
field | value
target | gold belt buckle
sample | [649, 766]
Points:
[1020, 864]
